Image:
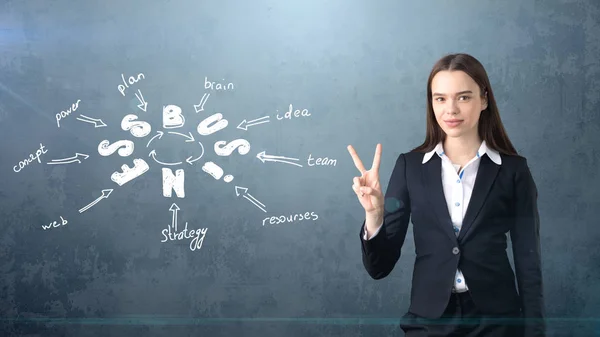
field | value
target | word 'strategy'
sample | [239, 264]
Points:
[21, 165]
[171, 234]
[55, 224]
[197, 236]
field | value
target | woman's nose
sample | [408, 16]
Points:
[452, 107]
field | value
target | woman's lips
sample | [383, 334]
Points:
[453, 123]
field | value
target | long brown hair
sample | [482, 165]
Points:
[490, 126]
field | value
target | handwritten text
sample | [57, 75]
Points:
[131, 80]
[274, 220]
[217, 86]
[296, 113]
[321, 161]
[170, 234]
[31, 159]
[64, 114]
[55, 224]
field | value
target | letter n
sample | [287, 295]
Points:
[173, 182]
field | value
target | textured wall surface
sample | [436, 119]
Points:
[359, 68]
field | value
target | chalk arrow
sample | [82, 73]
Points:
[245, 124]
[200, 107]
[244, 192]
[153, 155]
[264, 157]
[190, 161]
[174, 208]
[189, 138]
[76, 158]
[105, 194]
[159, 134]
[143, 104]
[98, 123]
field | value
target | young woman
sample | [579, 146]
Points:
[464, 189]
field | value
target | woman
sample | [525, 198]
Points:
[464, 188]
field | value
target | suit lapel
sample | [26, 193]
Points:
[486, 174]
[432, 180]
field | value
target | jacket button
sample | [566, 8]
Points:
[455, 250]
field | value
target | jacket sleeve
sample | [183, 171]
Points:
[380, 253]
[525, 239]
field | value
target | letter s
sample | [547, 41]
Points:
[164, 233]
[244, 147]
[106, 149]
[137, 128]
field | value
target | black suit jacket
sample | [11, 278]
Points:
[504, 200]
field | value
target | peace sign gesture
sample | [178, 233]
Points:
[367, 186]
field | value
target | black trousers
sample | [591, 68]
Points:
[462, 318]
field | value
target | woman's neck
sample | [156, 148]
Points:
[462, 149]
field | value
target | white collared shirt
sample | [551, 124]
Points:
[458, 186]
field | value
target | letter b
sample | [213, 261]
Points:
[172, 117]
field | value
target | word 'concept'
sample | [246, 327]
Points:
[130, 81]
[275, 220]
[171, 234]
[56, 224]
[64, 114]
[21, 165]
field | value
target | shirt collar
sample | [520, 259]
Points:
[483, 149]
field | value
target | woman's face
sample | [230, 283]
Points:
[457, 103]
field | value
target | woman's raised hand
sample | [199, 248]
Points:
[367, 186]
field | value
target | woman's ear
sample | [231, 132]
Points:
[484, 101]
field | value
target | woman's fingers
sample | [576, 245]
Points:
[357, 185]
[357, 162]
[361, 189]
[356, 189]
[366, 190]
[377, 158]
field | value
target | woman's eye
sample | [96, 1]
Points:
[464, 98]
